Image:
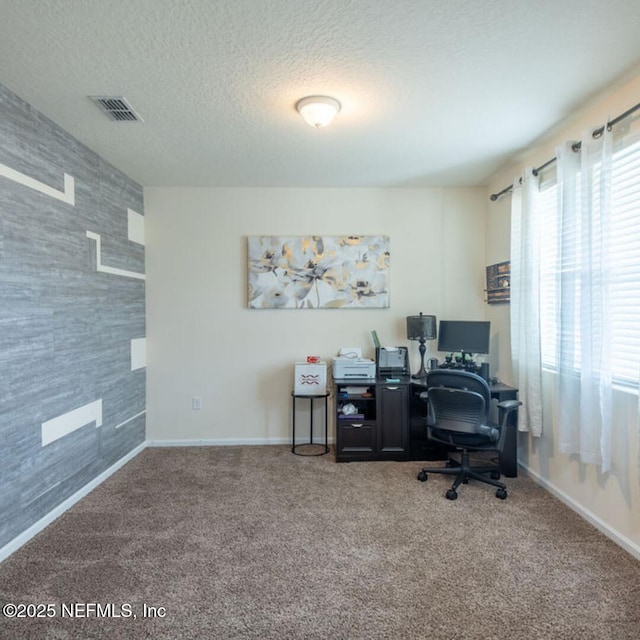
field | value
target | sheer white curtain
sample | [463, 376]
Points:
[584, 335]
[525, 301]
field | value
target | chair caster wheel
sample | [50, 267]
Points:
[422, 476]
[495, 475]
[451, 494]
[502, 494]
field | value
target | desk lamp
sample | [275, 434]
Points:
[421, 328]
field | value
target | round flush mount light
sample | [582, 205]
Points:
[318, 111]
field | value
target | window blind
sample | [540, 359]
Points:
[625, 265]
[621, 277]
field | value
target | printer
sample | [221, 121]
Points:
[350, 364]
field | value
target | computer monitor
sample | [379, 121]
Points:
[464, 336]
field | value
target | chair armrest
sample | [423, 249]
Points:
[429, 418]
[509, 405]
[506, 408]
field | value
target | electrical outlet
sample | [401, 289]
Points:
[196, 403]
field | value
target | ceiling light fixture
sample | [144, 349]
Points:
[318, 111]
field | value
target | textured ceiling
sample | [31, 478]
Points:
[433, 92]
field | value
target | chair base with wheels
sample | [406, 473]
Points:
[464, 472]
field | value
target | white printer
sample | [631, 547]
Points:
[350, 364]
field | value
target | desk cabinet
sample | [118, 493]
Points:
[372, 420]
[393, 419]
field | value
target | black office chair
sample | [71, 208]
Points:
[459, 403]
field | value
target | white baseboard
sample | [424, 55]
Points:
[228, 442]
[54, 514]
[215, 442]
[622, 541]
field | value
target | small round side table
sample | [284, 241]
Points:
[294, 446]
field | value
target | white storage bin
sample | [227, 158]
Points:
[310, 379]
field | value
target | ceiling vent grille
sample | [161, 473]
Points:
[116, 108]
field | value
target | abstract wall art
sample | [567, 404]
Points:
[318, 272]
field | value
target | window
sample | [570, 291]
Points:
[622, 274]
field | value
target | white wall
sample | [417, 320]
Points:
[611, 501]
[498, 250]
[202, 340]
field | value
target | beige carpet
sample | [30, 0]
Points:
[254, 542]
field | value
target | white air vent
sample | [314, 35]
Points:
[116, 108]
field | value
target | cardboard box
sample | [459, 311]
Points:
[310, 379]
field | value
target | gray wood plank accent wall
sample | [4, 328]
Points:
[72, 316]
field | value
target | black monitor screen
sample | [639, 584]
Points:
[464, 335]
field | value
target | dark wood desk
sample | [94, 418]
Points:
[499, 392]
[509, 457]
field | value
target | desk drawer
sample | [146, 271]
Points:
[356, 438]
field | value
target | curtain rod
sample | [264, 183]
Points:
[576, 147]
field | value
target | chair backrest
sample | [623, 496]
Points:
[460, 401]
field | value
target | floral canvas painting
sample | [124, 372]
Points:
[318, 272]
